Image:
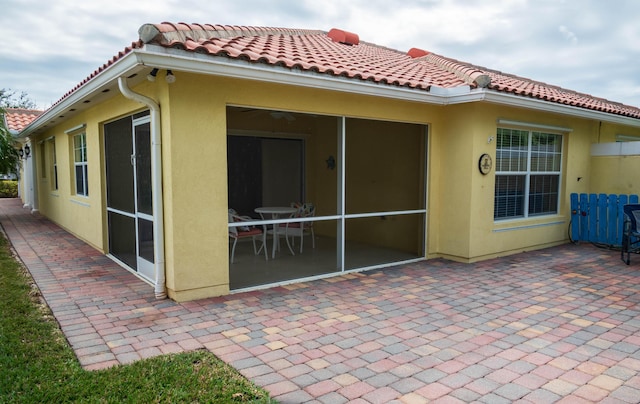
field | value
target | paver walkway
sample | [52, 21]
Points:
[557, 325]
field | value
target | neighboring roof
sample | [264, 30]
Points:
[16, 119]
[338, 54]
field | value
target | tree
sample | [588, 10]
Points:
[9, 158]
[11, 99]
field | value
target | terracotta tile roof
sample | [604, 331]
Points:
[507, 83]
[343, 54]
[320, 52]
[17, 118]
[309, 50]
[109, 63]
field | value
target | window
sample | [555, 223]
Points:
[54, 164]
[80, 162]
[528, 167]
[42, 160]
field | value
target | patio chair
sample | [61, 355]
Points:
[630, 232]
[299, 229]
[241, 232]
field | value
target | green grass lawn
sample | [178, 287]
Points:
[38, 366]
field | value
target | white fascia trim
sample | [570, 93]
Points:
[75, 128]
[450, 91]
[545, 106]
[122, 67]
[168, 58]
[534, 125]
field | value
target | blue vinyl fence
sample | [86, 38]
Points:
[599, 218]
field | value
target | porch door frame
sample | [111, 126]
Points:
[262, 181]
[140, 164]
[341, 216]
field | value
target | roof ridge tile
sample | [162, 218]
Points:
[471, 74]
[167, 32]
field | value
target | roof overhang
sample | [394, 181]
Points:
[543, 106]
[177, 59]
[180, 60]
[132, 64]
[95, 90]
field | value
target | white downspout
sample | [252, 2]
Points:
[156, 184]
[26, 180]
[34, 176]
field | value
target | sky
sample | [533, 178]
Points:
[589, 46]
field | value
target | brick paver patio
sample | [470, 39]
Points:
[556, 325]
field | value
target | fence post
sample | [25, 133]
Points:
[575, 218]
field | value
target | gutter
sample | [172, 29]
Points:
[124, 67]
[181, 60]
[156, 185]
[482, 94]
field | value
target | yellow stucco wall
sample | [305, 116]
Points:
[606, 132]
[615, 174]
[460, 221]
[82, 216]
[467, 230]
[197, 196]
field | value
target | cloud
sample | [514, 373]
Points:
[570, 36]
[585, 45]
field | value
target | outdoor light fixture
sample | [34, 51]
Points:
[24, 152]
[170, 78]
[152, 76]
[331, 163]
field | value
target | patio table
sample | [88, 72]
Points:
[277, 212]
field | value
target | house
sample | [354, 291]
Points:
[15, 119]
[405, 156]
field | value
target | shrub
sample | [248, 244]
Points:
[8, 189]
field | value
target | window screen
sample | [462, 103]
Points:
[528, 168]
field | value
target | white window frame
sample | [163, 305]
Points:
[80, 147]
[528, 173]
[54, 163]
